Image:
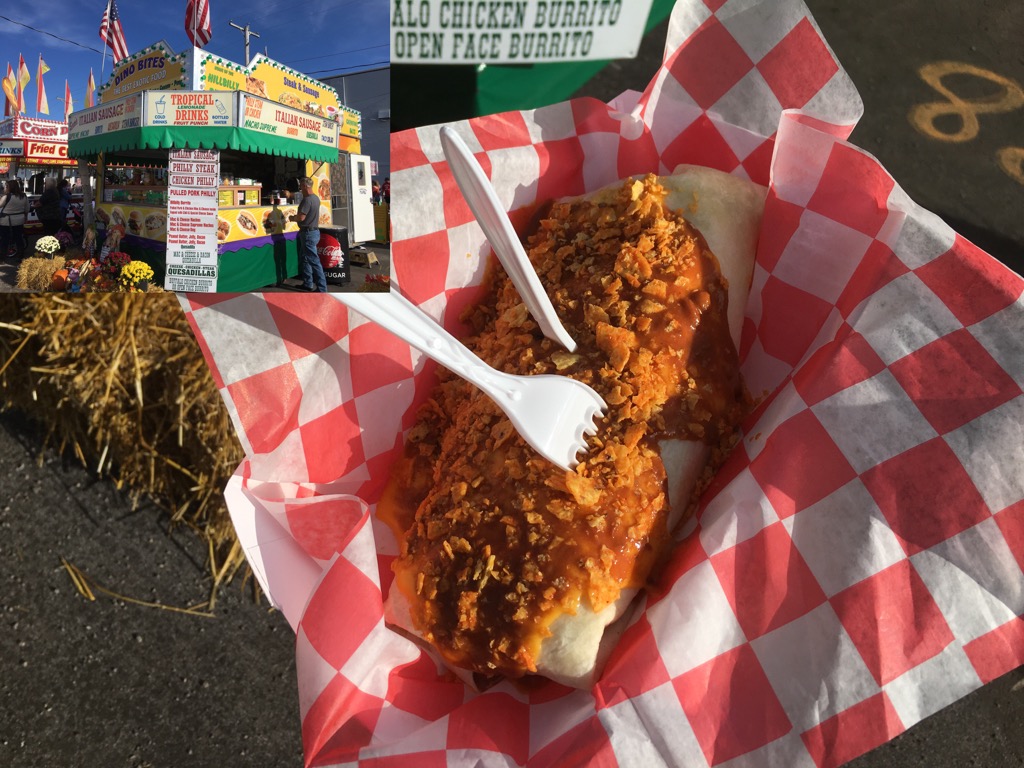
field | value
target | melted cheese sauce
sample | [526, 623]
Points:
[496, 542]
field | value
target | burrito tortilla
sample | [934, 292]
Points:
[510, 566]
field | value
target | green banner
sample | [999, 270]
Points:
[240, 139]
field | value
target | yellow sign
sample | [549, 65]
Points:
[351, 123]
[349, 145]
[151, 69]
[272, 80]
[220, 75]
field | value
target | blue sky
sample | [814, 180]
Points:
[318, 37]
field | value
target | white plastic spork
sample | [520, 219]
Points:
[551, 412]
[497, 227]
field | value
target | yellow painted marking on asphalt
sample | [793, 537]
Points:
[1011, 160]
[922, 117]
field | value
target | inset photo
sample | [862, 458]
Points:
[201, 170]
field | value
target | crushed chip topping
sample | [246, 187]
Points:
[496, 542]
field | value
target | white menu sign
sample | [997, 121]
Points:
[515, 31]
[193, 176]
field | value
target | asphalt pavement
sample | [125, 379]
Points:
[109, 683]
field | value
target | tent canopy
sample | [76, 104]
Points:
[200, 138]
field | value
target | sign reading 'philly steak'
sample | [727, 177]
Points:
[515, 31]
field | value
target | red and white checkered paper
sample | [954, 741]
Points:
[857, 564]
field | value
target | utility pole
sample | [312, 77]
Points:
[247, 32]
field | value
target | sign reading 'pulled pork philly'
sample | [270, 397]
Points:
[515, 31]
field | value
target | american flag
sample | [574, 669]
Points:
[197, 22]
[112, 33]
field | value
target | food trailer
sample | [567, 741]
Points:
[196, 157]
[31, 149]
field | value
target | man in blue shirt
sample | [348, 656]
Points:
[308, 218]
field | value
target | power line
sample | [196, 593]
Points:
[56, 37]
[339, 53]
[354, 66]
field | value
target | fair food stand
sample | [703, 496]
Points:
[29, 146]
[194, 154]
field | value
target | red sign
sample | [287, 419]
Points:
[27, 128]
[45, 150]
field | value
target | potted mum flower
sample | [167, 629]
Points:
[47, 246]
[135, 276]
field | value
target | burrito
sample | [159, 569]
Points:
[510, 566]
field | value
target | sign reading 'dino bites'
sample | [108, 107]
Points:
[515, 31]
[275, 119]
[193, 176]
[155, 67]
[202, 109]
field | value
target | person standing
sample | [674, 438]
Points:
[293, 192]
[307, 216]
[48, 207]
[64, 191]
[13, 209]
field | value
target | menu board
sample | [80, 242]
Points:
[278, 120]
[193, 178]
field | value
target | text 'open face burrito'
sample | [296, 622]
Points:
[510, 566]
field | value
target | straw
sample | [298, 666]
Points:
[118, 381]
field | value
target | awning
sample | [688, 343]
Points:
[239, 139]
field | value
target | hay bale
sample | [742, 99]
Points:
[36, 272]
[119, 380]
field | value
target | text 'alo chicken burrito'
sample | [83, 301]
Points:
[510, 566]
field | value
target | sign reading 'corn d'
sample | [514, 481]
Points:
[515, 31]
